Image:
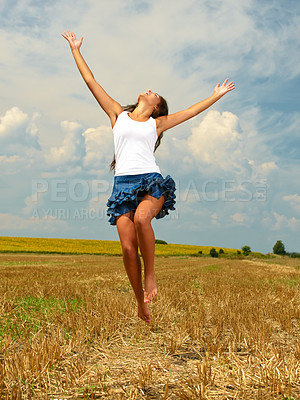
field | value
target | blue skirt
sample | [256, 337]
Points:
[129, 190]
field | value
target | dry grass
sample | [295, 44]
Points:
[221, 329]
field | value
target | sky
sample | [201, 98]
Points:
[236, 165]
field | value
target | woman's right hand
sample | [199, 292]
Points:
[73, 42]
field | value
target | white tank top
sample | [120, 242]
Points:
[134, 146]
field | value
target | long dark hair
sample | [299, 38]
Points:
[163, 109]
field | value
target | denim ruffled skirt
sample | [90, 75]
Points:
[129, 190]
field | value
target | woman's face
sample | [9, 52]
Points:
[152, 98]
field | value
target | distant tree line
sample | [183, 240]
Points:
[279, 249]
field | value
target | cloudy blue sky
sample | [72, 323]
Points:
[236, 165]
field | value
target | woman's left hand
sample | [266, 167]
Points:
[220, 90]
[73, 42]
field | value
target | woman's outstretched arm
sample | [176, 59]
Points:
[169, 121]
[109, 105]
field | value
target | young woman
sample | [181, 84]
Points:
[140, 193]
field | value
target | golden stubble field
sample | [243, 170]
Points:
[221, 329]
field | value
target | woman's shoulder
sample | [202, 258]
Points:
[122, 115]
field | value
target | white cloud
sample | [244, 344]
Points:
[71, 151]
[192, 45]
[18, 132]
[12, 164]
[35, 199]
[98, 147]
[294, 224]
[219, 149]
[282, 222]
[9, 222]
[216, 143]
[267, 167]
[273, 34]
[13, 118]
[294, 200]
[98, 203]
[214, 219]
[239, 218]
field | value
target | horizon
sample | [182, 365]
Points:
[236, 165]
[117, 241]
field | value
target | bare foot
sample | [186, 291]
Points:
[143, 312]
[150, 291]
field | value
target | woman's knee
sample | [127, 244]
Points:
[129, 250]
[141, 220]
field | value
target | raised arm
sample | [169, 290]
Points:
[109, 105]
[169, 121]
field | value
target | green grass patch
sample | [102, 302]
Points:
[29, 314]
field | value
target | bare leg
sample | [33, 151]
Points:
[148, 208]
[129, 243]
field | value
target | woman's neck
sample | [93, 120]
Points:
[141, 112]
